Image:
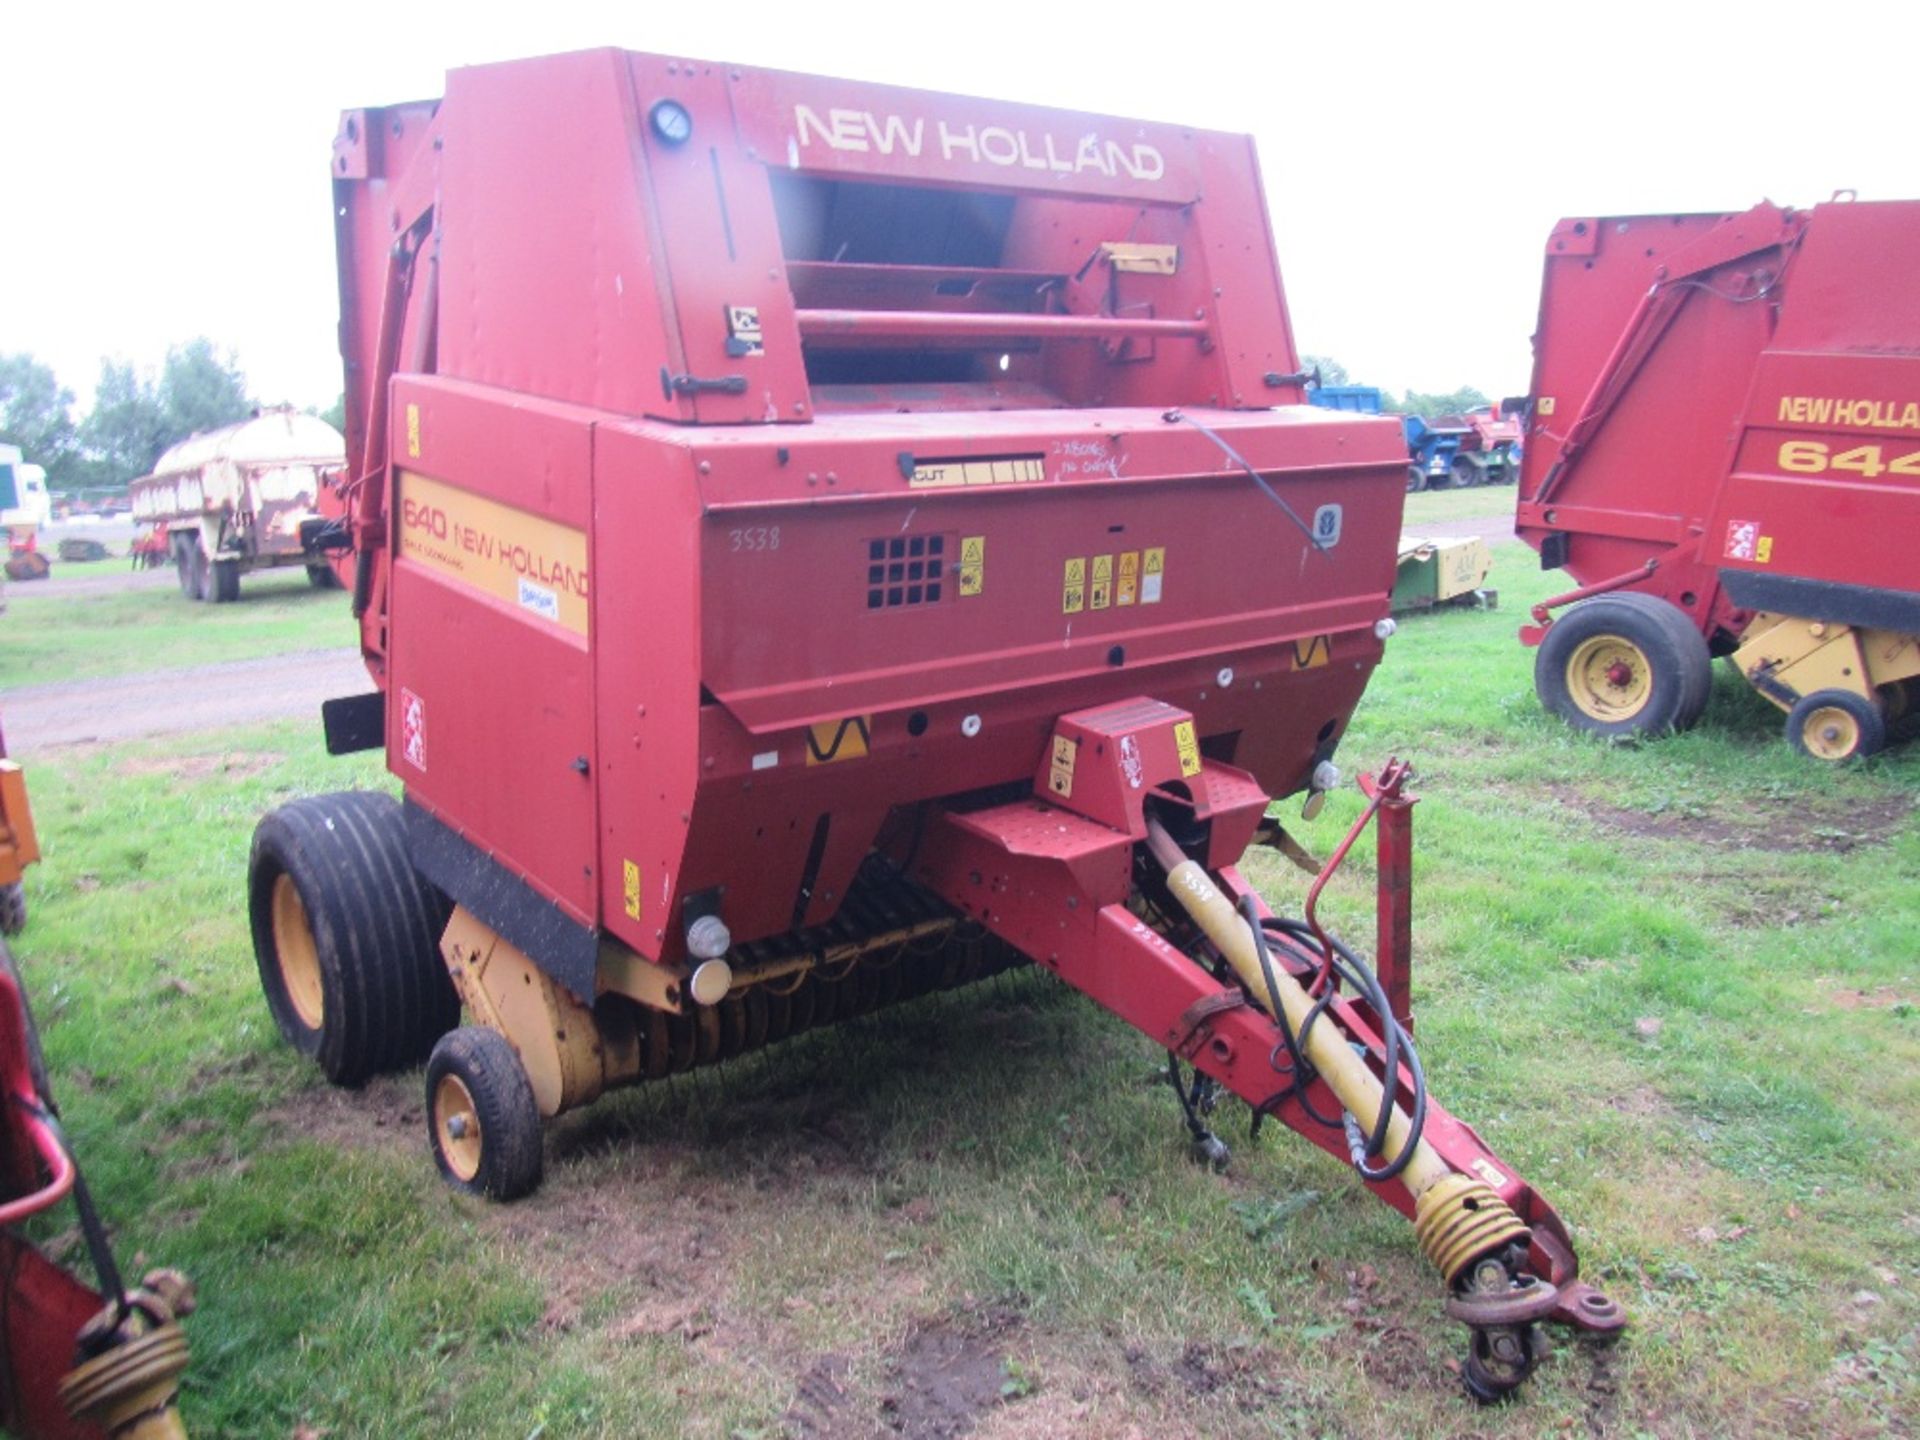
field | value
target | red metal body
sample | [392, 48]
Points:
[937, 287]
[1726, 412]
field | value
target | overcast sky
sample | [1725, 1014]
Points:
[164, 168]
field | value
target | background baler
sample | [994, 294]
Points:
[1724, 451]
[817, 543]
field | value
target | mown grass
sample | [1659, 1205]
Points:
[49, 636]
[1674, 985]
[1429, 506]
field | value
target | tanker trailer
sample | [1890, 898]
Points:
[817, 543]
[1723, 449]
[243, 498]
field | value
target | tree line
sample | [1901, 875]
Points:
[135, 415]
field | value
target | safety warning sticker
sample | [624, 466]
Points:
[1100, 591]
[1127, 587]
[1153, 565]
[630, 886]
[1073, 586]
[1060, 772]
[973, 564]
[1189, 748]
[1745, 542]
[829, 741]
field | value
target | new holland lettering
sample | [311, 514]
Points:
[1005, 147]
[1858, 414]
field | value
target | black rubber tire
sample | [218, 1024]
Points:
[13, 908]
[322, 577]
[375, 928]
[1465, 474]
[183, 568]
[199, 575]
[1416, 479]
[1680, 673]
[1870, 722]
[510, 1155]
[223, 582]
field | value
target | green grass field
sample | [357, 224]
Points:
[48, 636]
[1477, 500]
[1675, 985]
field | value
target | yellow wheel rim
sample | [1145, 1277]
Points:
[298, 956]
[1609, 679]
[456, 1123]
[1830, 733]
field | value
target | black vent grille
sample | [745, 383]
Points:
[906, 570]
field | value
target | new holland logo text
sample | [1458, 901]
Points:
[1009, 148]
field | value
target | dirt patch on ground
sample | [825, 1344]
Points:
[939, 1382]
[231, 765]
[1799, 828]
[1849, 997]
[388, 1114]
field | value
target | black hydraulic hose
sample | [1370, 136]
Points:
[1301, 1069]
[1398, 1043]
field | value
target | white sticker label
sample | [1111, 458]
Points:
[413, 729]
[1150, 589]
[766, 760]
[539, 599]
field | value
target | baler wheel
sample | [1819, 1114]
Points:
[1416, 479]
[482, 1119]
[346, 935]
[1836, 725]
[1624, 664]
[13, 908]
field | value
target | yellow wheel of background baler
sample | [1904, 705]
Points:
[1624, 664]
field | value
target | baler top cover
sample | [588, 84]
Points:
[889, 428]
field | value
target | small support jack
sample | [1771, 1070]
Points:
[1208, 1148]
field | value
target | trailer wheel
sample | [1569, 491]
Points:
[1464, 473]
[223, 582]
[1416, 479]
[482, 1119]
[1624, 665]
[183, 567]
[322, 577]
[1836, 725]
[346, 936]
[199, 580]
[13, 908]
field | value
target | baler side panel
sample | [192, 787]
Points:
[491, 701]
[547, 279]
[722, 249]
[1826, 486]
[646, 615]
[1649, 473]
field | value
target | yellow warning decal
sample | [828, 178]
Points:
[530, 562]
[1544, 405]
[1189, 747]
[630, 884]
[413, 432]
[1763, 550]
[1073, 586]
[1060, 772]
[1312, 653]
[1100, 592]
[999, 470]
[1127, 590]
[973, 564]
[1153, 565]
[829, 741]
